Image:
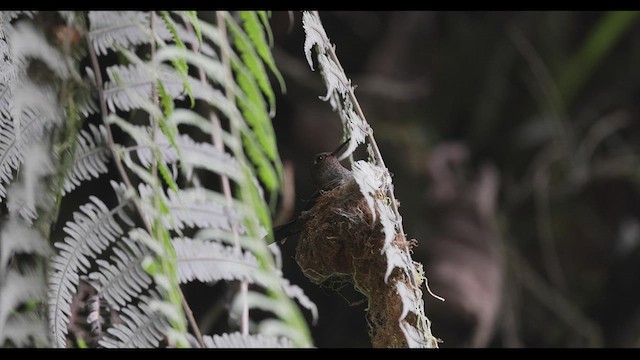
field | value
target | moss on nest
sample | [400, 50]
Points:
[340, 241]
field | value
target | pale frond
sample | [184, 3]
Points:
[209, 261]
[12, 145]
[7, 16]
[35, 109]
[296, 292]
[122, 279]
[195, 154]
[238, 340]
[16, 238]
[129, 87]
[6, 83]
[110, 29]
[24, 330]
[7, 76]
[16, 289]
[92, 157]
[197, 207]
[93, 228]
[10, 156]
[27, 42]
[140, 328]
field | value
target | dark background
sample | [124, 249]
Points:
[513, 139]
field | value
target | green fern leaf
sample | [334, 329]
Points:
[264, 18]
[193, 19]
[179, 64]
[252, 60]
[255, 23]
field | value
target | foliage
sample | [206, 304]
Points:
[186, 200]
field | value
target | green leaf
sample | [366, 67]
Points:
[607, 33]
[252, 60]
[264, 17]
[254, 112]
[266, 171]
[169, 128]
[166, 101]
[251, 194]
[166, 175]
[255, 28]
[179, 64]
[192, 16]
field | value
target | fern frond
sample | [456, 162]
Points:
[266, 172]
[24, 330]
[110, 29]
[7, 75]
[296, 292]
[5, 96]
[259, 140]
[264, 17]
[251, 59]
[256, 24]
[16, 289]
[124, 195]
[18, 204]
[129, 86]
[180, 65]
[196, 207]
[90, 232]
[27, 42]
[238, 340]
[91, 159]
[10, 156]
[196, 154]
[84, 101]
[209, 261]
[192, 18]
[34, 108]
[141, 327]
[253, 81]
[10, 15]
[18, 238]
[122, 279]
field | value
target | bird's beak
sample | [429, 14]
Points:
[337, 151]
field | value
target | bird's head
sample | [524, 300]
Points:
[323, 168]
[324, 158]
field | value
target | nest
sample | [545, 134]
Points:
[340, 241]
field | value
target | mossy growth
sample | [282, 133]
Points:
[340, 241]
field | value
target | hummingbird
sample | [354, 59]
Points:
[327, 173]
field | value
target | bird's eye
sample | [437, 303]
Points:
[319, 158]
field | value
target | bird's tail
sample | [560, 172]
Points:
[282, 232]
